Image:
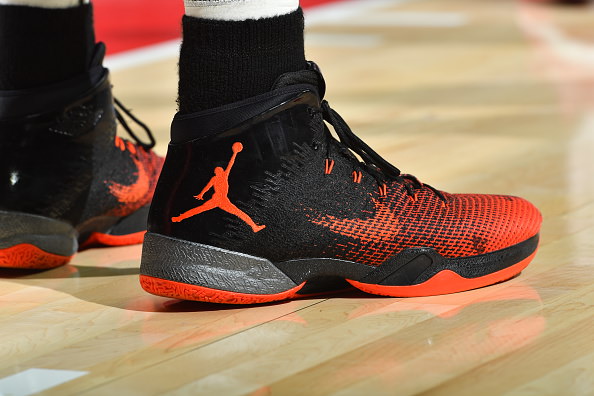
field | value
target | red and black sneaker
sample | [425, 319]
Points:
[66, 179]
[257, 200]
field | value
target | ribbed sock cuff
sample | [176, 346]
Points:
[225, 61]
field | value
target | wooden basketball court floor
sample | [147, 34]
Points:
[470, 96]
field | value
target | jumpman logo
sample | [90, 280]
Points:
[220, 185]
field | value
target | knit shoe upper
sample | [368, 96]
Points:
[267, 178]
[65, 173]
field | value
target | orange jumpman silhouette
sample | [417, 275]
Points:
[220, 184]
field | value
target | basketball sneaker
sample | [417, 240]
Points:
[258, 199]
[66, 180]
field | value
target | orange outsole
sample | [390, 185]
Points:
[184, 291]
[27, 256]
[100, 239]
[444, 282]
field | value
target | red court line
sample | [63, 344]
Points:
[313, 3]
[128, 24]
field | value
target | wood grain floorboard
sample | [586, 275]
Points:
[502, 103]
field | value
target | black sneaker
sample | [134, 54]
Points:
[66, 179]
[257, 200]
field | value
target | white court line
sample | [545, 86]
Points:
[330, 13]
[409, 19]
[338, 12]
[35, 380]
[349, 13]
[170, 49]
[339, 40]
[144, 55]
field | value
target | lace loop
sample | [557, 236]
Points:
[353, 142]
[146, 146]
[374, 163]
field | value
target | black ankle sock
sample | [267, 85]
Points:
[40, 46]
[225, 61]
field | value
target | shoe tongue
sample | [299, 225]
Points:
[310, 76]
[98, 55]
[96, 71]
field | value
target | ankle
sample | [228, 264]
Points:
[226, 61]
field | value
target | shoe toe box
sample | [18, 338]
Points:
[495, 222]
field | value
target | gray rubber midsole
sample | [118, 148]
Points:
[49, 235]
[208, 266]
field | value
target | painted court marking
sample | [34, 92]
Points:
[36, 380]
[329, 13]
[143, 55]
[347, 13]
[339, 12]
[341, 40]
[170, 49]
[410, 19]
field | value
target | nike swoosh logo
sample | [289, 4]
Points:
[135, 192]
[382, 226]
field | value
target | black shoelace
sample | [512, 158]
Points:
[375, 165]
[119, 108]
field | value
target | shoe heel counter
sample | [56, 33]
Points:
[186, 171]
[47, 160]
[210, 186]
